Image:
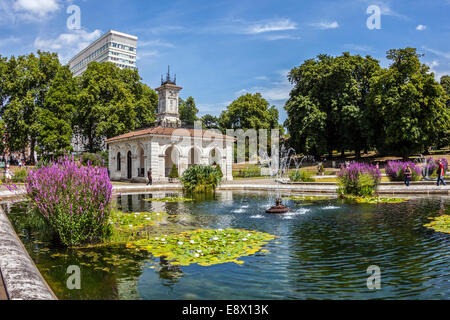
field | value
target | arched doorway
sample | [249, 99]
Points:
[141, 171]
[215, 157]
[193, 157]
[172, 156]
[129, 166]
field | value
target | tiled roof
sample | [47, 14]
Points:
[161, 131]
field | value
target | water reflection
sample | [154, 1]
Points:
[322, 251]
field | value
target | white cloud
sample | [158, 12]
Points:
[68, 45]
[8, 41]
[358, 48]
[155, 43]
[270, 26]
[12, 11]
[421, 27]
[438, 53]
[281, 37]
[37, 7]
[146, 54]
[278, 90]
[326, 25]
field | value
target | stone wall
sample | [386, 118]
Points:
[23, 280]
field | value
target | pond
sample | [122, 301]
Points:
[322, 251]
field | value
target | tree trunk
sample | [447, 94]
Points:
[32, 146]
[358, 154]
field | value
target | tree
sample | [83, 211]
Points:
[112, 102]
[27, 84]
[210, 122]
[56, 118]
[327, 106]
[407, 105]
[188, 111]
[250, 111]
[445, 83]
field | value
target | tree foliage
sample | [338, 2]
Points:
[407, 106]
[42, 105]
[250, 111]
[327, 107]
[351, 103]
[188, 111]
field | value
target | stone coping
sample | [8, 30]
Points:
[22, 279]
[387, 188]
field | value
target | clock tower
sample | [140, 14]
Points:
[168, 115]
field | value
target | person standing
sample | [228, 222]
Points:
[408, 175]
[441, 174]
[150, 177]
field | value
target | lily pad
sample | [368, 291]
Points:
[204, 247]
[170, 199]
[375, 200]
[307, 198]
[440, 224]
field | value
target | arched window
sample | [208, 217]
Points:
[119, 162]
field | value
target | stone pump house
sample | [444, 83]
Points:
[167, 143]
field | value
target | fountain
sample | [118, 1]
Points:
[287, 156]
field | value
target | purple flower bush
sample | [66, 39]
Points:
[74, 199]
[395, 170]
[359, 179]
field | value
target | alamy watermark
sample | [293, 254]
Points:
[74, 280]
[374, 280]
[74, 20]
[374, 21]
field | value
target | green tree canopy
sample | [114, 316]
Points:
[407, 105]
[327, 107]
[250, 111]
[25, 87]
[112, 102]
[210, 122]
[188, 111]
[445, 83]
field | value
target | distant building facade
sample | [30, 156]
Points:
[167, 144]
[116, 47]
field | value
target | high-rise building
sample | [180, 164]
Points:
[116, 47]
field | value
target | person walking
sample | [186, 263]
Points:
[441, 174]
[408, 175]
[150, 177]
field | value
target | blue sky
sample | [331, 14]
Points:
[222, 49]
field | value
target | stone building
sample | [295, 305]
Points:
[167, 143]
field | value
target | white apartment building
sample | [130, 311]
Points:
[116, 47]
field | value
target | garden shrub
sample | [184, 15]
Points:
[201, 179]
[75, 200]
[302, 176]
[174, 172]
[94, 159]
[359, 180]
[20, 175]
[395, 170]
[249, 172]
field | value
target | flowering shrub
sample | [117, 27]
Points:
[74, 199]
[396, 170]
[359, 179]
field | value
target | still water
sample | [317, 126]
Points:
[322, 251]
